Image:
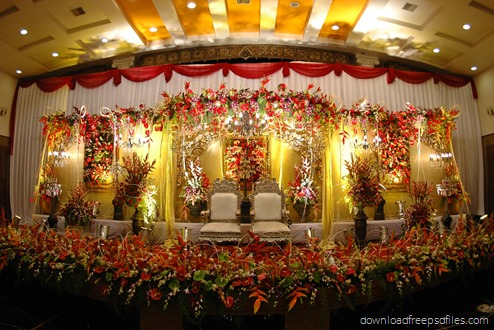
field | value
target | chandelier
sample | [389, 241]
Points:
[246, 124]
[365, 143]
[132, 142]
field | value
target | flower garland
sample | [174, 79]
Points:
[133, 272]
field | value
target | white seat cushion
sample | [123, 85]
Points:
[270, 227]
[267, 206]
[223, 206]
[221, 227]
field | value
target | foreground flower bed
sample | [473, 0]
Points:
[201, 277]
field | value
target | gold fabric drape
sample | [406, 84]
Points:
[169, 179]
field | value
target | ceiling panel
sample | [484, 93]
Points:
[399, 29]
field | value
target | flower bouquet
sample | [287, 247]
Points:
[135, 187]
[420, 213]
[76, 210]
[361, 184]
[301, 191]
[197, 186]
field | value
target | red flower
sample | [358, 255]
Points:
[155, 294]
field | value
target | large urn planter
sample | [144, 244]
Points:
[196, 209]
[303, 210]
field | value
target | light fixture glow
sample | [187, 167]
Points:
[436, 50]
[104, 40]
[191, 5]
[153, 29]
[18, 71]
[23, 31]
[335, 27]
[473, 68]
[466, 26]
[54, 54]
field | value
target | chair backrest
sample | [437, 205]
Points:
[224, 201]
[267, 201]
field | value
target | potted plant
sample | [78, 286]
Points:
[362, 190]
[76, 210]
[194, 192]
[134, 186]
[301, 191]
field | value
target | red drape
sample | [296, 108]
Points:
[248, 71]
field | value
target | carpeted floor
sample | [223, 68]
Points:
[34, 307]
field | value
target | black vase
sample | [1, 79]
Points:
[360, 227]
[302, 210]
[118, 212]
[196, 209]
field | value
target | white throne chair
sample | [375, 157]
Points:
[268, 212]
[222, 218]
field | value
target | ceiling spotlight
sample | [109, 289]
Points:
[104, 40]
[436, 50]
[23, 31]
[335, 27]
[18, 71]
[473, 68]
[153, 29]
[191, 5]
[54, 54]
[466, 26]
[294, 4]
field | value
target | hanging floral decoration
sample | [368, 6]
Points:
[245, 159]
[302, 189]
[98, 141]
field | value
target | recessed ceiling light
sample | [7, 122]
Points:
[466, 26]
[54, 54]
[191, 5]
[23, 31]
[294, 4]
[153, 29]
[18, 71]
[335, 27]
[436, 50]
[104, 40]
[473, 68]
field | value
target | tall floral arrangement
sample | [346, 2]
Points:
[302, 188]
[421, 210]
[197, 185]
[361, 183]
[136, 170]
[450, 186]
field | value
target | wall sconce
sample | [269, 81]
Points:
[3, 111]
[59, 157]
[131, 142]
[439, 159]
[490, 111]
